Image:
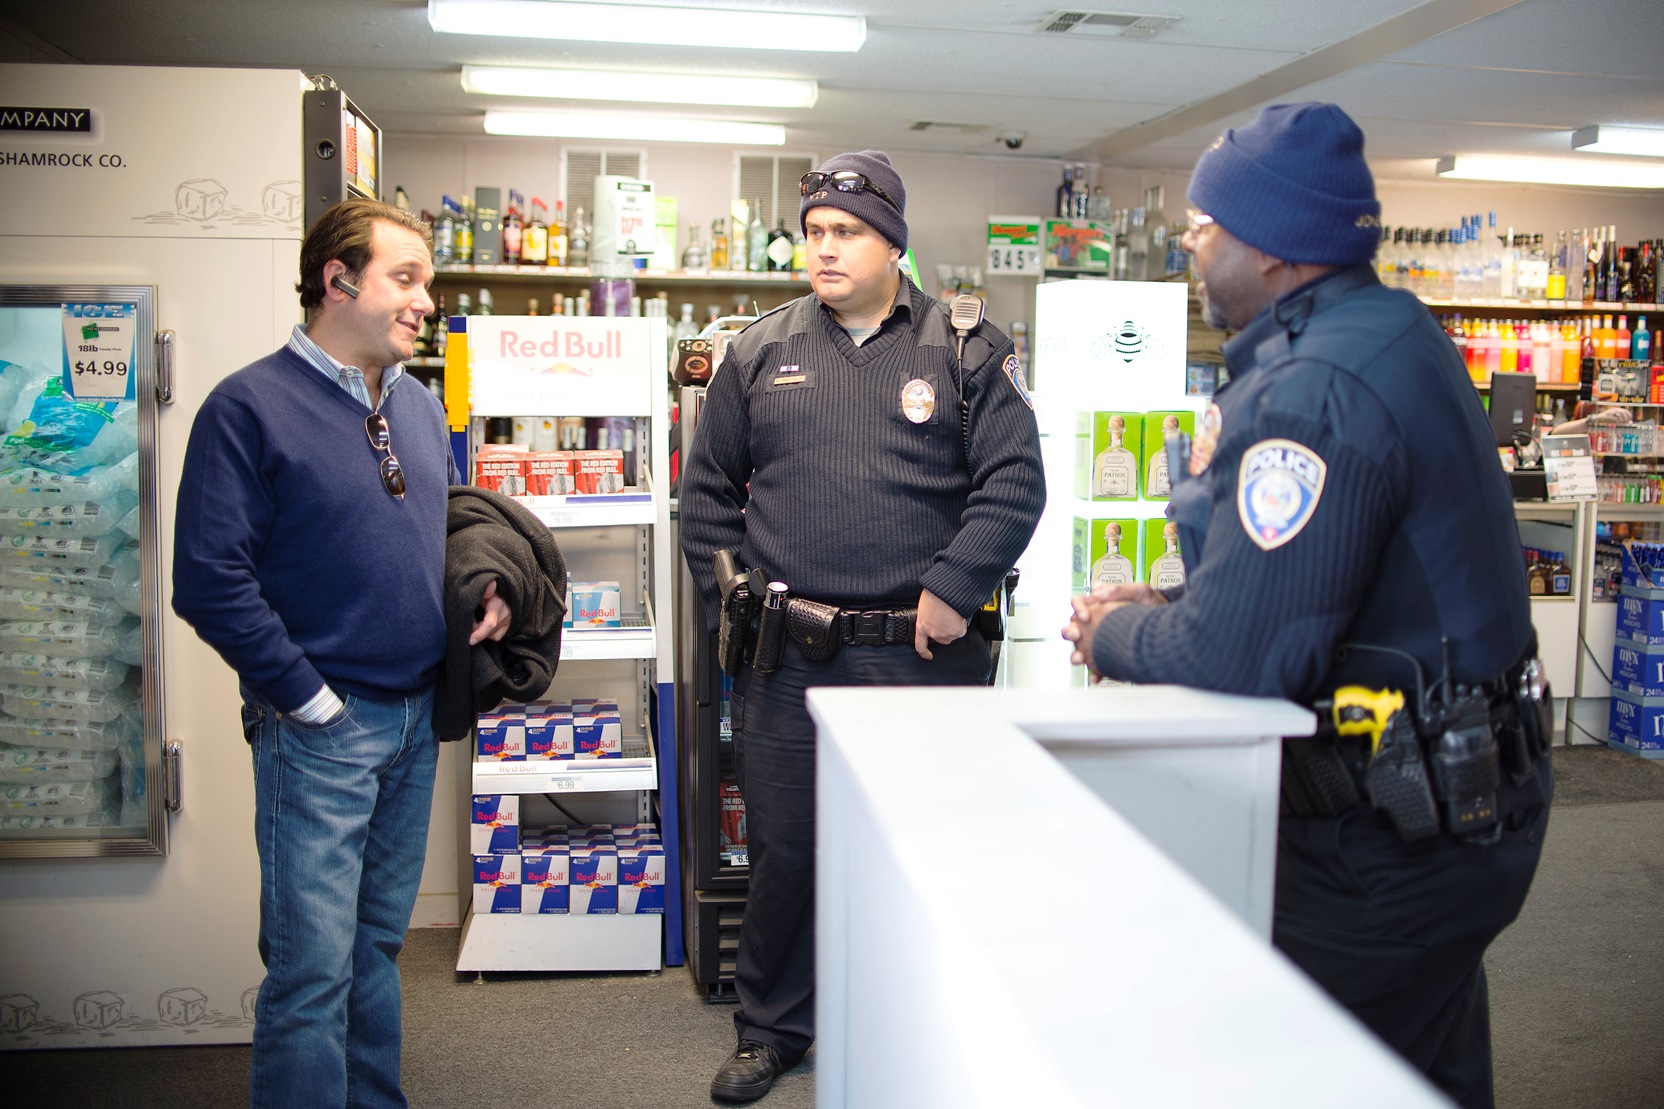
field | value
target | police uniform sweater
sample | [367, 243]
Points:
[290, 558]
[1409, 537]
[806, 458]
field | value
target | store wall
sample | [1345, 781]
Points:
[949, 197]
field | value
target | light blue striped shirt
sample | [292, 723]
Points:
[350, 378]
[325, 704]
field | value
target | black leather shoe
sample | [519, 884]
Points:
[748, 1074]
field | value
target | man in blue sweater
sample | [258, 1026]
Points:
[311, 556]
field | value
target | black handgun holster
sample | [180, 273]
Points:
[737, 624]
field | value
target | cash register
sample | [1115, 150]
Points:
[1513, 418]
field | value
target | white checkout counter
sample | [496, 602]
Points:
[1065, 900]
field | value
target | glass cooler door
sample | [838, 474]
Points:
[80, 675]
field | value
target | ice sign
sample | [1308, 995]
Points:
[98, 351]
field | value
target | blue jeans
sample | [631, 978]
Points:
[341, 823]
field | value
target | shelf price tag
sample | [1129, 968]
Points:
[1014, 246]
[98, 351]
[1570, 468]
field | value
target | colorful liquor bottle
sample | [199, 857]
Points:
[1115, 470]
[534, 242]
[1112, 567]
[1167, 569]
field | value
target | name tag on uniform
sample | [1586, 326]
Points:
[787, 377]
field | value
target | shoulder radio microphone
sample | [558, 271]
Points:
[965, 313]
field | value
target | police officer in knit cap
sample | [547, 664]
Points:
[1348, 538]
[883, 466]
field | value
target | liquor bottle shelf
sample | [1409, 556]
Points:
[1542, 386]
[1570, 306]
[578, 275]
[1611, 510]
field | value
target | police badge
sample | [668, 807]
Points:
[918, 400]
[1277, 488]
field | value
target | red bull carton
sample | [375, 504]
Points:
[502, 735]
[594, 881]
[641, 880]
[494, 824]
[593, 604]
[597, 733]
[548, 730]
[496, 883]
[545, 881]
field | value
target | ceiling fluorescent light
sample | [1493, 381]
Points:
[649, 88]
[639, 128]
[1648, 142]
[550, 19]
[1553, 171]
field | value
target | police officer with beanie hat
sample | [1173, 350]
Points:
[886, 468]
[1348, 537]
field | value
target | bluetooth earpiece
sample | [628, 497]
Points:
[345, 286]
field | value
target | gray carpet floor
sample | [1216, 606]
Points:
[1577, 995]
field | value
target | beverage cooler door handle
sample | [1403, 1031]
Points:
[172, 789]
[164, 367]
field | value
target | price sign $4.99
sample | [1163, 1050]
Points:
[98, 351]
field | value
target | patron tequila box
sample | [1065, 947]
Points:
[1104, 551]
[1158, 428]
[1108, 455]
[1163, 562]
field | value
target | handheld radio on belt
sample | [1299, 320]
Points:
[1432, 761]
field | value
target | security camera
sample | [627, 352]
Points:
[1014, 140]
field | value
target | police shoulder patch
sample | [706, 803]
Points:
[1277, 489]
[1014, 370]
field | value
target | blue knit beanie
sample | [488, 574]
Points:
[1294, 184]
[886, 219]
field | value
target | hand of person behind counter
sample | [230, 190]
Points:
[1086, 611]
[493, 618]
[936, 623]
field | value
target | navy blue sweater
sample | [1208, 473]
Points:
[290, 558]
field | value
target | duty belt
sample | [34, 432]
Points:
[1425, 765]
[877, 627]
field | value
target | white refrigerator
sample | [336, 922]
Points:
[182, 192]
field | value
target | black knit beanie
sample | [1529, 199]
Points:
[887, 219]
